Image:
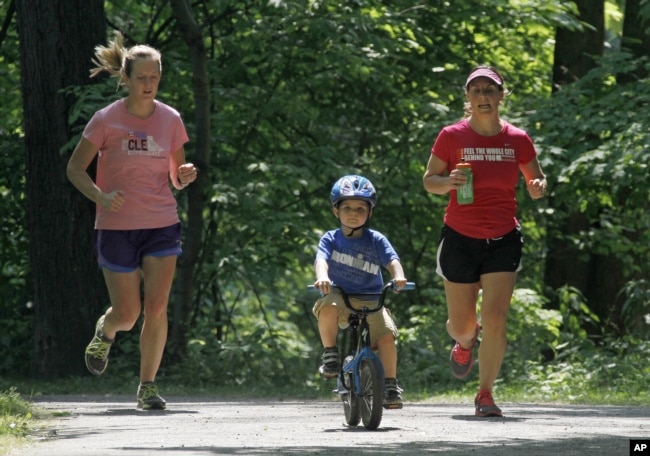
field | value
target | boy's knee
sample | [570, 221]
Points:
[386, 339]
[324, 310]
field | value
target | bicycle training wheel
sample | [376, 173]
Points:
[350, 400]
[371, 400]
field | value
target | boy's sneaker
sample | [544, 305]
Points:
[485, 405]
[97, 350]
[392, 395]
[330, 367]
[461, 360]
[148, 397]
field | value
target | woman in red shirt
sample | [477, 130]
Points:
[481, 243]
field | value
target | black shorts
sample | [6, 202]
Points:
[462, 259]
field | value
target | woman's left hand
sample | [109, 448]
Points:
[187, 173]
[536, 188]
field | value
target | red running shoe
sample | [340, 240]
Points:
[485, 405]
[461, 360]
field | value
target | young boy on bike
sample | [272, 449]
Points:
[352, 257]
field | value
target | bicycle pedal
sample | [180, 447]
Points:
[328, 375]
[393, 406]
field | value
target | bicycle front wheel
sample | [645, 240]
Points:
[371, 399]
[350, 400]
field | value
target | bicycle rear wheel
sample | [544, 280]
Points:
[371, 400]
[350, 400]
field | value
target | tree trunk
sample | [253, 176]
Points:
[635, 38]
[193, 238]
[573, 59]
[56, 45]
[574, 49]
[598, 277]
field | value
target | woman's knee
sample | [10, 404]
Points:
[462, 328]
[494, 316]
[494, 322]
[155, 309]
[123, 318]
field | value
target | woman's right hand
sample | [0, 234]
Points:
[457, 178]
[112, 201]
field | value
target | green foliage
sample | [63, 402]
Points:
[598, 167]
[264, 339]
[615, 372]
[576, 312]
[15, 414]
[575, 368]
[533, 329]
[635, 312]
[303, 92]
[89, 99]
[14, 266]
[309, 94]
[15, 305]
[423, 343]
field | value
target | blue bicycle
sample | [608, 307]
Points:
[361, 380]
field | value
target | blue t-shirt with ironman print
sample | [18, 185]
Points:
[355, 265]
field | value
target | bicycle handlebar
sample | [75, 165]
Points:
[389, 285]
[380, 303]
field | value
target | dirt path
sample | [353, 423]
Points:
[111, 426]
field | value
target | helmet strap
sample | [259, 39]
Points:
[355, 229]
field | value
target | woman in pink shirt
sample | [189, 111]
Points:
[481, 243]
[138, 142]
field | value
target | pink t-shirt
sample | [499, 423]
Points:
[135, 157]
[495, 164]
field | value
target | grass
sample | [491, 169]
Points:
[16, 419]
[515, 392]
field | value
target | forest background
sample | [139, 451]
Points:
[281, 98]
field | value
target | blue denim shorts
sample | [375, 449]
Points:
[123, 250]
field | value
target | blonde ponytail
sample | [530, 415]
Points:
[110, 58]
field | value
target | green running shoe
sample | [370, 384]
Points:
[149, 398]
[97, 350]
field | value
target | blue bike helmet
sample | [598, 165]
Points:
[353, 187]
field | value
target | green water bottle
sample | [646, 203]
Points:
[465, 194]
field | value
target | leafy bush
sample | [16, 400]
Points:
[594, 137]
